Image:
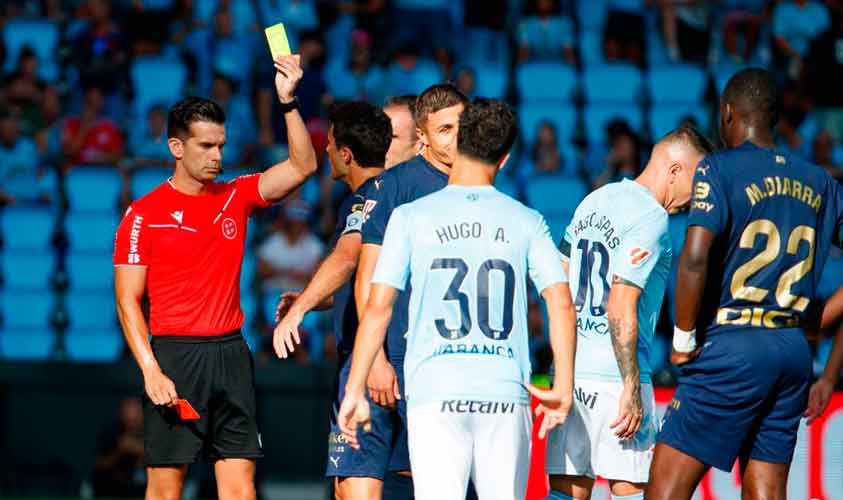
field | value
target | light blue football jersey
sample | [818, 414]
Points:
[467, 252]
[618, 230]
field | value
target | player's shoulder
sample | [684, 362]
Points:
[151, 200]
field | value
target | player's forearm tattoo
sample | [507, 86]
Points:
[624, 344]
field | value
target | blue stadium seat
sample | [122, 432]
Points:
[156, 80]
[400, 82]
[492, 80]
[591, 47]
[21, 310]
[556, 198]
[30, 270]
[94, 345]
[94, 311]
[144, 180]
[597, 117]
[26, 345]
[248, 271]
[677, 84]
[27, 228]
[665, 118]
[91, 232]
[615, 83]
[832, 276]
[563, 117]
[90, 271]
[93, 189]
[657, 53]
[545, 81]
[41, 36]
[592, 14]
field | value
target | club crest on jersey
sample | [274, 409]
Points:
[229, 228]
[178, 215]
[367, 209]
[638, 256]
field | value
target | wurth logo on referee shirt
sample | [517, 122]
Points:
[638, 256]
[134, 237]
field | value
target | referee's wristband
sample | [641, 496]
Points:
[684, 341]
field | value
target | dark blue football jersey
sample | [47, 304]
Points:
[349, 220]
[774, 217]
[401, 184]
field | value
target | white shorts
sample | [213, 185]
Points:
[451, 441]
[586, 446]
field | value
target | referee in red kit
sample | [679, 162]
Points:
[183, 244]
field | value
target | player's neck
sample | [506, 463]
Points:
[467, 172]
[759, 137]
[186, 184]
[357, 176]
[438, 165]
[657, 189]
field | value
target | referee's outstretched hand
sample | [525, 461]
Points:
[354, 412]
[286, 333]
[160, 389]
[554, 405]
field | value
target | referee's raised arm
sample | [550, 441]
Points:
[281, 179]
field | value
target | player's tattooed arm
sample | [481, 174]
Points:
[622, 314]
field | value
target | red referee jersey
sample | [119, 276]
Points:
[192, 247]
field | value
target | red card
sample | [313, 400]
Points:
[186, 411]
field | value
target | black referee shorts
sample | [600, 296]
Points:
[217, 376]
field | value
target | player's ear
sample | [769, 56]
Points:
[347, 155]
[176, 146]
[674, 170]
[422, 139]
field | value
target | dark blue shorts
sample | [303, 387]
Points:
[743, 396]
[383, 449]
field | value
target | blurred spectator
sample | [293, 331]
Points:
[119, 471]
[623, 160]
[796, 124]
[823, 78]
[239, 120]
[409, 73]
[25, 92]
[147, 25]
[91, 137]
[466, 81]
[405, 141]
[485, 40]
[625, 30]
[546, 34]
[356, 78]
[20, 175]
[298, 16]
[100, 50]
[290, 254]
[544, 156]
[795, 24]
[686, 29]
[823, 150]
[149, 144]
[424, 24]
[742, 18]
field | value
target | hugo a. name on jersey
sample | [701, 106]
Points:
[467, 251]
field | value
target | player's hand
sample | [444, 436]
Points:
[681, 358]
[160, 389]
[286, 334]
[554, 405]
[288, 74]
[354, 412]
[284, 303]
[818, 398]
[629, 412]
[383, 384]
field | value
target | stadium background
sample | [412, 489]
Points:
[85, 86]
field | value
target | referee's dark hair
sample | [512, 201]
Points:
[753, 91]
[488, 130]
[189, 110]
[362, 128]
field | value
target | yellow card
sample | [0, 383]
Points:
[276, 36]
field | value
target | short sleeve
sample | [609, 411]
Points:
[709, 208]
[248, 186]
[640, 250]
[393, 267]
[131, 244]
[565, 243]
[354, 216]
[381, 200]
[543, 259]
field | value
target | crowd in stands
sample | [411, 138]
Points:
[86, 85]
